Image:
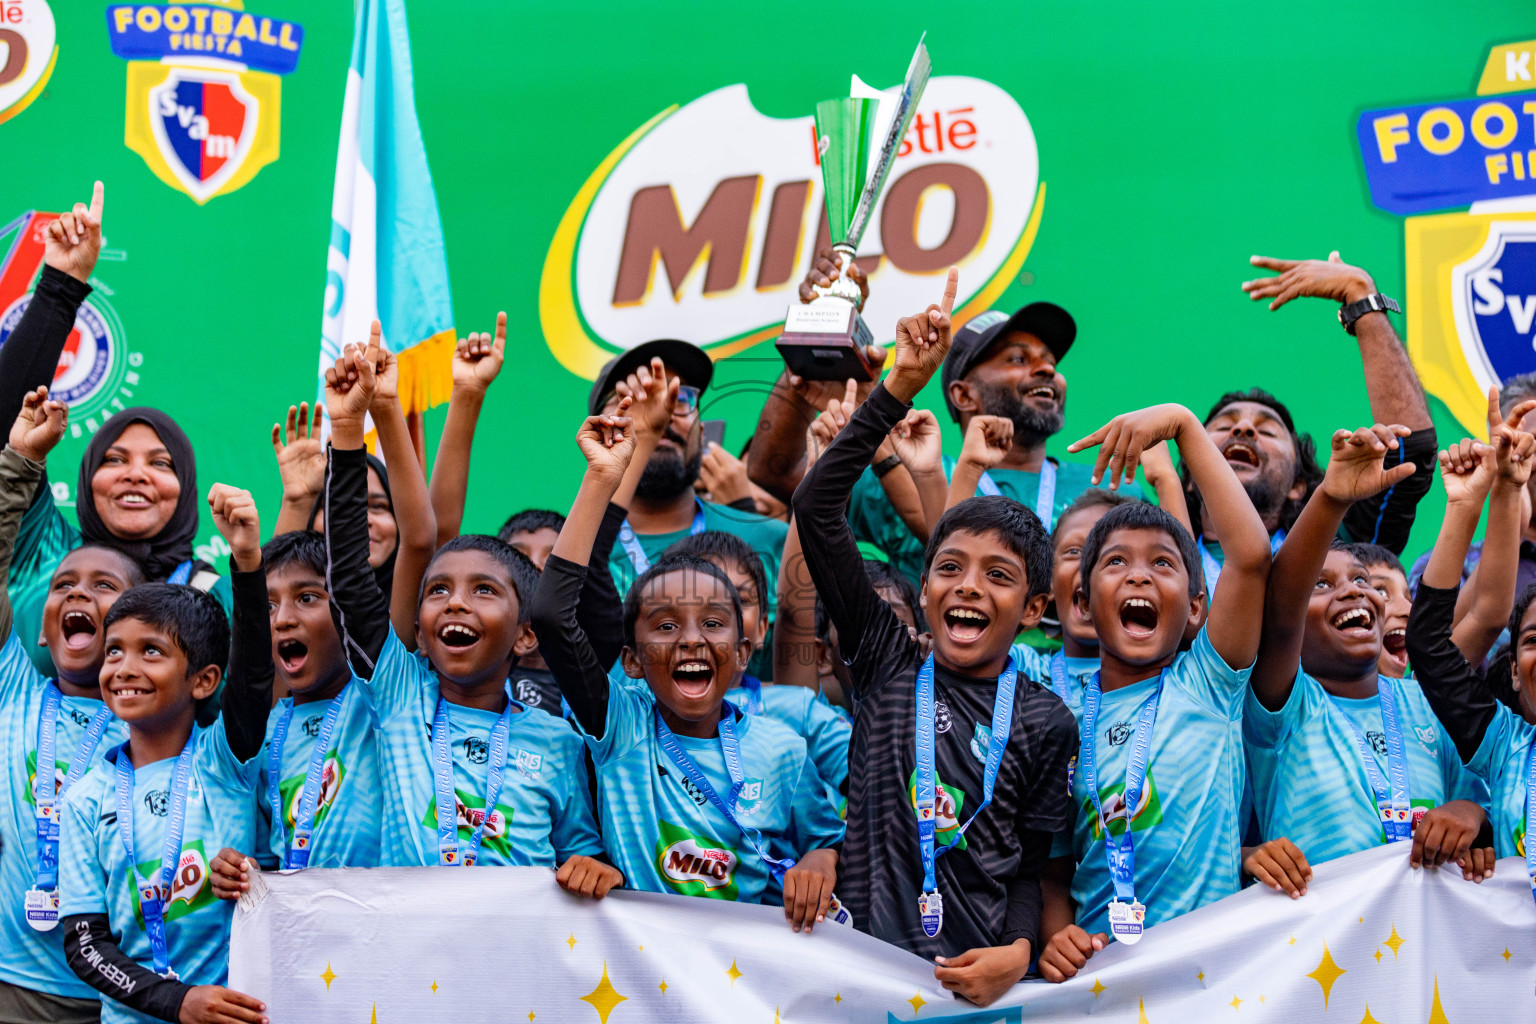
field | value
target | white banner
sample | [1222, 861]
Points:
[1372, 941]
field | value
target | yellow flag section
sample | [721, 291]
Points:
[1373, 940]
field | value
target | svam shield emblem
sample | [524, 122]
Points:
[203, 123]
[1495, 303]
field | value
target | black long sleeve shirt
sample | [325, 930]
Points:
[1456, 691]
[991, 884]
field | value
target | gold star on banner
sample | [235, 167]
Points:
[571, 942]
[434, 988]
[733, 973]
[375, 1018]
[1378, 956]
[1292, 941]
[1262, 1000]
[1505, 954]
[1367, 1009]
[776, 1015]
[604, 997]
[1436, 1011]
[1098, 988]
[1394, 942]
[663, 986]
[1200, 976]
[1326, 973]
[918, 1002]
[838, 998]
[1235, 1003]
[328, 976]
[1141, 1014]
[1368, 1019]
[530, 1017]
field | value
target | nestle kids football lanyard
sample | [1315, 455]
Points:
[41, 903]
[448, 801]
[1393, 805]
[930, 905]
[1045, 498]
[1213, 568]
[1059, 676]
[636, 553]
[1127, 917]
[182, 574]
[154, 893]
[754, 688]
[1530, 815]
[296, 852]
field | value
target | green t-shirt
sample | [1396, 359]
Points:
[875, 521]
[44, 539]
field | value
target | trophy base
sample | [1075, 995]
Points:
[826, 339]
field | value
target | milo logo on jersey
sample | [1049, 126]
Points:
[97, 372]
[331, 775]
[204, 96]
[470, 811]
[190, 889]
[695, 865]
[1147, 812]
[947, 804]
[60, 769]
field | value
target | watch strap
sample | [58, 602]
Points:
[1373, 303]
[885, 465]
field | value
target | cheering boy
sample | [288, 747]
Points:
[468, 775]
[1159, 821]
[957, 731]
[1342, 757]
[139, 827]
[54, 731]
[696, 798]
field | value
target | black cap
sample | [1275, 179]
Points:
[690, 362]
[1047, 321]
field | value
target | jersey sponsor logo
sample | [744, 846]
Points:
[1118, 733]
[476, 750]
[204, 95]
[469, 811]
[1429, 738]
[332, 772]
[1147, 812]
[158, 802]
[980, 741]
[695, 865]
[943, 721]
[28, 40]
[947, 804]
[527, 692]
[529, 764]
[709, 214]
[190, 890]
[750, 796]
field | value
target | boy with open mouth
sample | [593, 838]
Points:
[468, 775]
[55, 730]
[139, 920]
[958, 767]
[1159, 780]
[697, 798]
[1342, 757]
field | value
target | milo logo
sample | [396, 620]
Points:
[189, 889]
[695, 865]
[469, 812]
[331, 774]
[947, 803]
[61, 769]
[1147, 812]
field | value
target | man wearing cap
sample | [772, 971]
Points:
[998, 365]
[665, 508]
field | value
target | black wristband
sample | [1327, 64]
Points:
[885, 465]
[1374, 303]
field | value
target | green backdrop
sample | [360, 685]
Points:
[1175, 140]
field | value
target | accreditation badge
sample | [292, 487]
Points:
[837, 913]
[930, 909]
[1127, 920]
[42, 909]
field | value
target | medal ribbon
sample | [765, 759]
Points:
[636, 553]
[447, 799]
[296, 853]
[1530, 815]
[154, 894]
[1392, 804]
[1213, 568]
[49, 802]
[1059, 675]
[1045, 498]
[754, 688]
[1119, 851]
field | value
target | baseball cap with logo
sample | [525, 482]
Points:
[1047, 321]
[690, 362]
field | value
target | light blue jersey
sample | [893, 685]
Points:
[543, 814]
[348, 810]
[97, 878]
[826, 733]
[1309, 784]
[35, 960]
[1501, 761]
[666, 835]
[1187, 826]
[1037, 664]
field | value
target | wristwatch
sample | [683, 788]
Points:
[886, 464]
[1376, 303]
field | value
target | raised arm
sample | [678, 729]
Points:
[300, 465]
[38, 427]
[918, 443]
[1157, 469]
[476, 362]
[1234, 620]
[415, 527]
[987, 440]
[28, 359]
[608, 443]
[361, 609]
[248, 682]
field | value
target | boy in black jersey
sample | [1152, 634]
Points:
[986, 578]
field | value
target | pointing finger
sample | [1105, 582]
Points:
[951, 285]
[96, 202]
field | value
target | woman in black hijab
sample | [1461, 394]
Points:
[383, 530]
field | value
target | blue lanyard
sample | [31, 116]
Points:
[182, 574]
[296, 855]
[1393, 805]
[447, 799]
[1002, 723]
[1059, 676]
[156, 892]
[1530, 815]
[1045, 498]
[1120, 851]
[1213, 568]
[754, 688]
[636, 553]
[730, 747]
[48, 801]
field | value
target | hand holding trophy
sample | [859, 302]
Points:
[826, 338]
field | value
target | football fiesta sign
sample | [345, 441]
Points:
[204, 97]
[1471, 273]
[702, 222]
